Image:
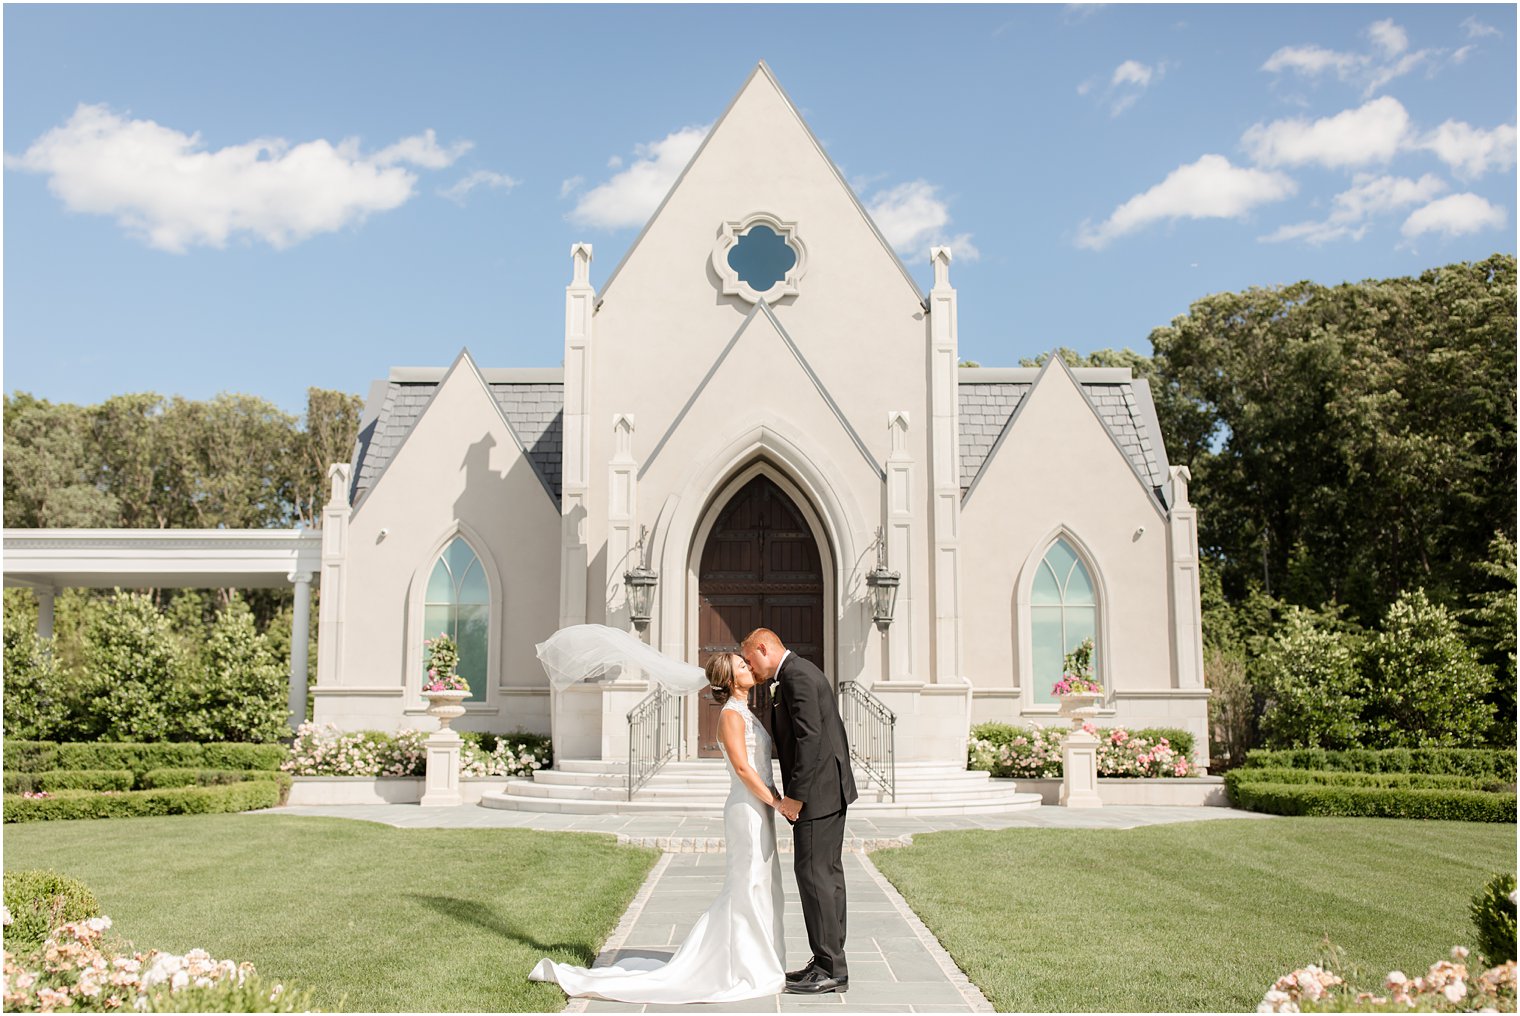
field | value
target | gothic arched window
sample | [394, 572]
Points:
[1063, 610]
[458, 604]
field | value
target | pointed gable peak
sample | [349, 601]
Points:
[761, 82]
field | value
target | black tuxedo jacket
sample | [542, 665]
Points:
[810, 740]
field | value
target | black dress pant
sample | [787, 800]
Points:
[819, 863]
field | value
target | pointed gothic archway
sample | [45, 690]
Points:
[760, 566]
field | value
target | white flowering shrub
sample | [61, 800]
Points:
[1034, 753]
[1448, 986]
[77, 970]
[327, 751]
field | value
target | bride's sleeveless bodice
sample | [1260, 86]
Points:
[757, 746]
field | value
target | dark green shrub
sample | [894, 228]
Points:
[1373, 802]
[130, 755]
[1493, 914]
[131, 668]
[235, 690]
[998, 733]
[233, 755]
[1426, 688]
[30, 756]
[40, 901]
[1309, 675]
[69, 779]
[1338, 778]
[1182, 741]
[245, 796]
[33, 704]
[1483, 762]
[165, 778]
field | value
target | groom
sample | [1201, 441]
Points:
[819, 785]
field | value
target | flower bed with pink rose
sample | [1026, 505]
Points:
[1035, 752]
[1448, 986]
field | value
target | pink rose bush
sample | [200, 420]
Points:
[1447, 986]
[1035, 753]
[76, 969]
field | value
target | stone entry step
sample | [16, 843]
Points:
[699, 787]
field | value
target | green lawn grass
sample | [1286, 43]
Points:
[1195, 916]
[370, 917]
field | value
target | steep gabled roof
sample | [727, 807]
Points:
[763, 71]
[531, 401]
[990, 398]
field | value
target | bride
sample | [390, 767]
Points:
[736, 950]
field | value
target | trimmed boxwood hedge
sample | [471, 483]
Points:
[69, 779]
[1341, 778]
[1375, 802]
[1456, 761]
[244, 796]
[165, 778]
[39, 901]
[40, 756]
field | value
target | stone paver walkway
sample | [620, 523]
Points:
[896, 965]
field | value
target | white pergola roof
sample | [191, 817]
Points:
[160, 558]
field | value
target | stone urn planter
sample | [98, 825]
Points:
[1080, 707]
[448, 706]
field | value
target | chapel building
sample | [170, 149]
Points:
[760, 406]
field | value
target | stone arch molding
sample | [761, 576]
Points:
[728, 236]
[805, 478]
[1023, 640]
[411, 679]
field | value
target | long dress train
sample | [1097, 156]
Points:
[736, 950]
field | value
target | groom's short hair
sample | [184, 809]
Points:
[762, 636]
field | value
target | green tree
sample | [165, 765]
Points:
[1312, 686]
[49, 481]
[1491, 624]
[331, 427]
[131, 669]
[1426, 687]
[238, 691]
[35, 708]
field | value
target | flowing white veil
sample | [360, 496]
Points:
[586, 651]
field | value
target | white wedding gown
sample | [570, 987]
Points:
[736, 950]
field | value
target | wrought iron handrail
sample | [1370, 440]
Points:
[872, 730]
[654, 736]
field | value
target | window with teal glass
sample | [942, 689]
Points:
[761, 258]
[1063, 610]
[458, 604]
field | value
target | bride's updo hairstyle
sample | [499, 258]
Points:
[720, 677]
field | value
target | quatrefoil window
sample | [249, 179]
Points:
[759, 258]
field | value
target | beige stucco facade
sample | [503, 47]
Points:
[840, 384]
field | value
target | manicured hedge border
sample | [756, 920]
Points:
[245, 796]
[1456, 761]
[159, 779]
[39, 756]
[69, 779]
[1375, 802]
[1340, 778]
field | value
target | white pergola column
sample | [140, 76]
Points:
[300, 636]
[45, 611]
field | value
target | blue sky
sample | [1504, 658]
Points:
[261, 198]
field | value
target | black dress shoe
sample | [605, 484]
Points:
[797, 975]
[816, 982]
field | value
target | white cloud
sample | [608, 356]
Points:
[914, 218]
[1388, 37]
[1311, 61]
[1387, 60]
[1371, 133]
[1131, 72]
[630, 197]
[1454, 216]
[1471, 151]
[460, 191]
[166, 187]
[1477, 29]
[570, 186]
[1369, 196]
[1210, 188]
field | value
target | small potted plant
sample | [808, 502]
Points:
[1076, 689]
[442, 686]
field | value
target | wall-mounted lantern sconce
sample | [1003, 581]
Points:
[883, 585]
[639, 582]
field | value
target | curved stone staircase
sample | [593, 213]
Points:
[699, 786]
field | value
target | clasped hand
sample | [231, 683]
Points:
[789, 808]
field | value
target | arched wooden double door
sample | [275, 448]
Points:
[760, 568]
